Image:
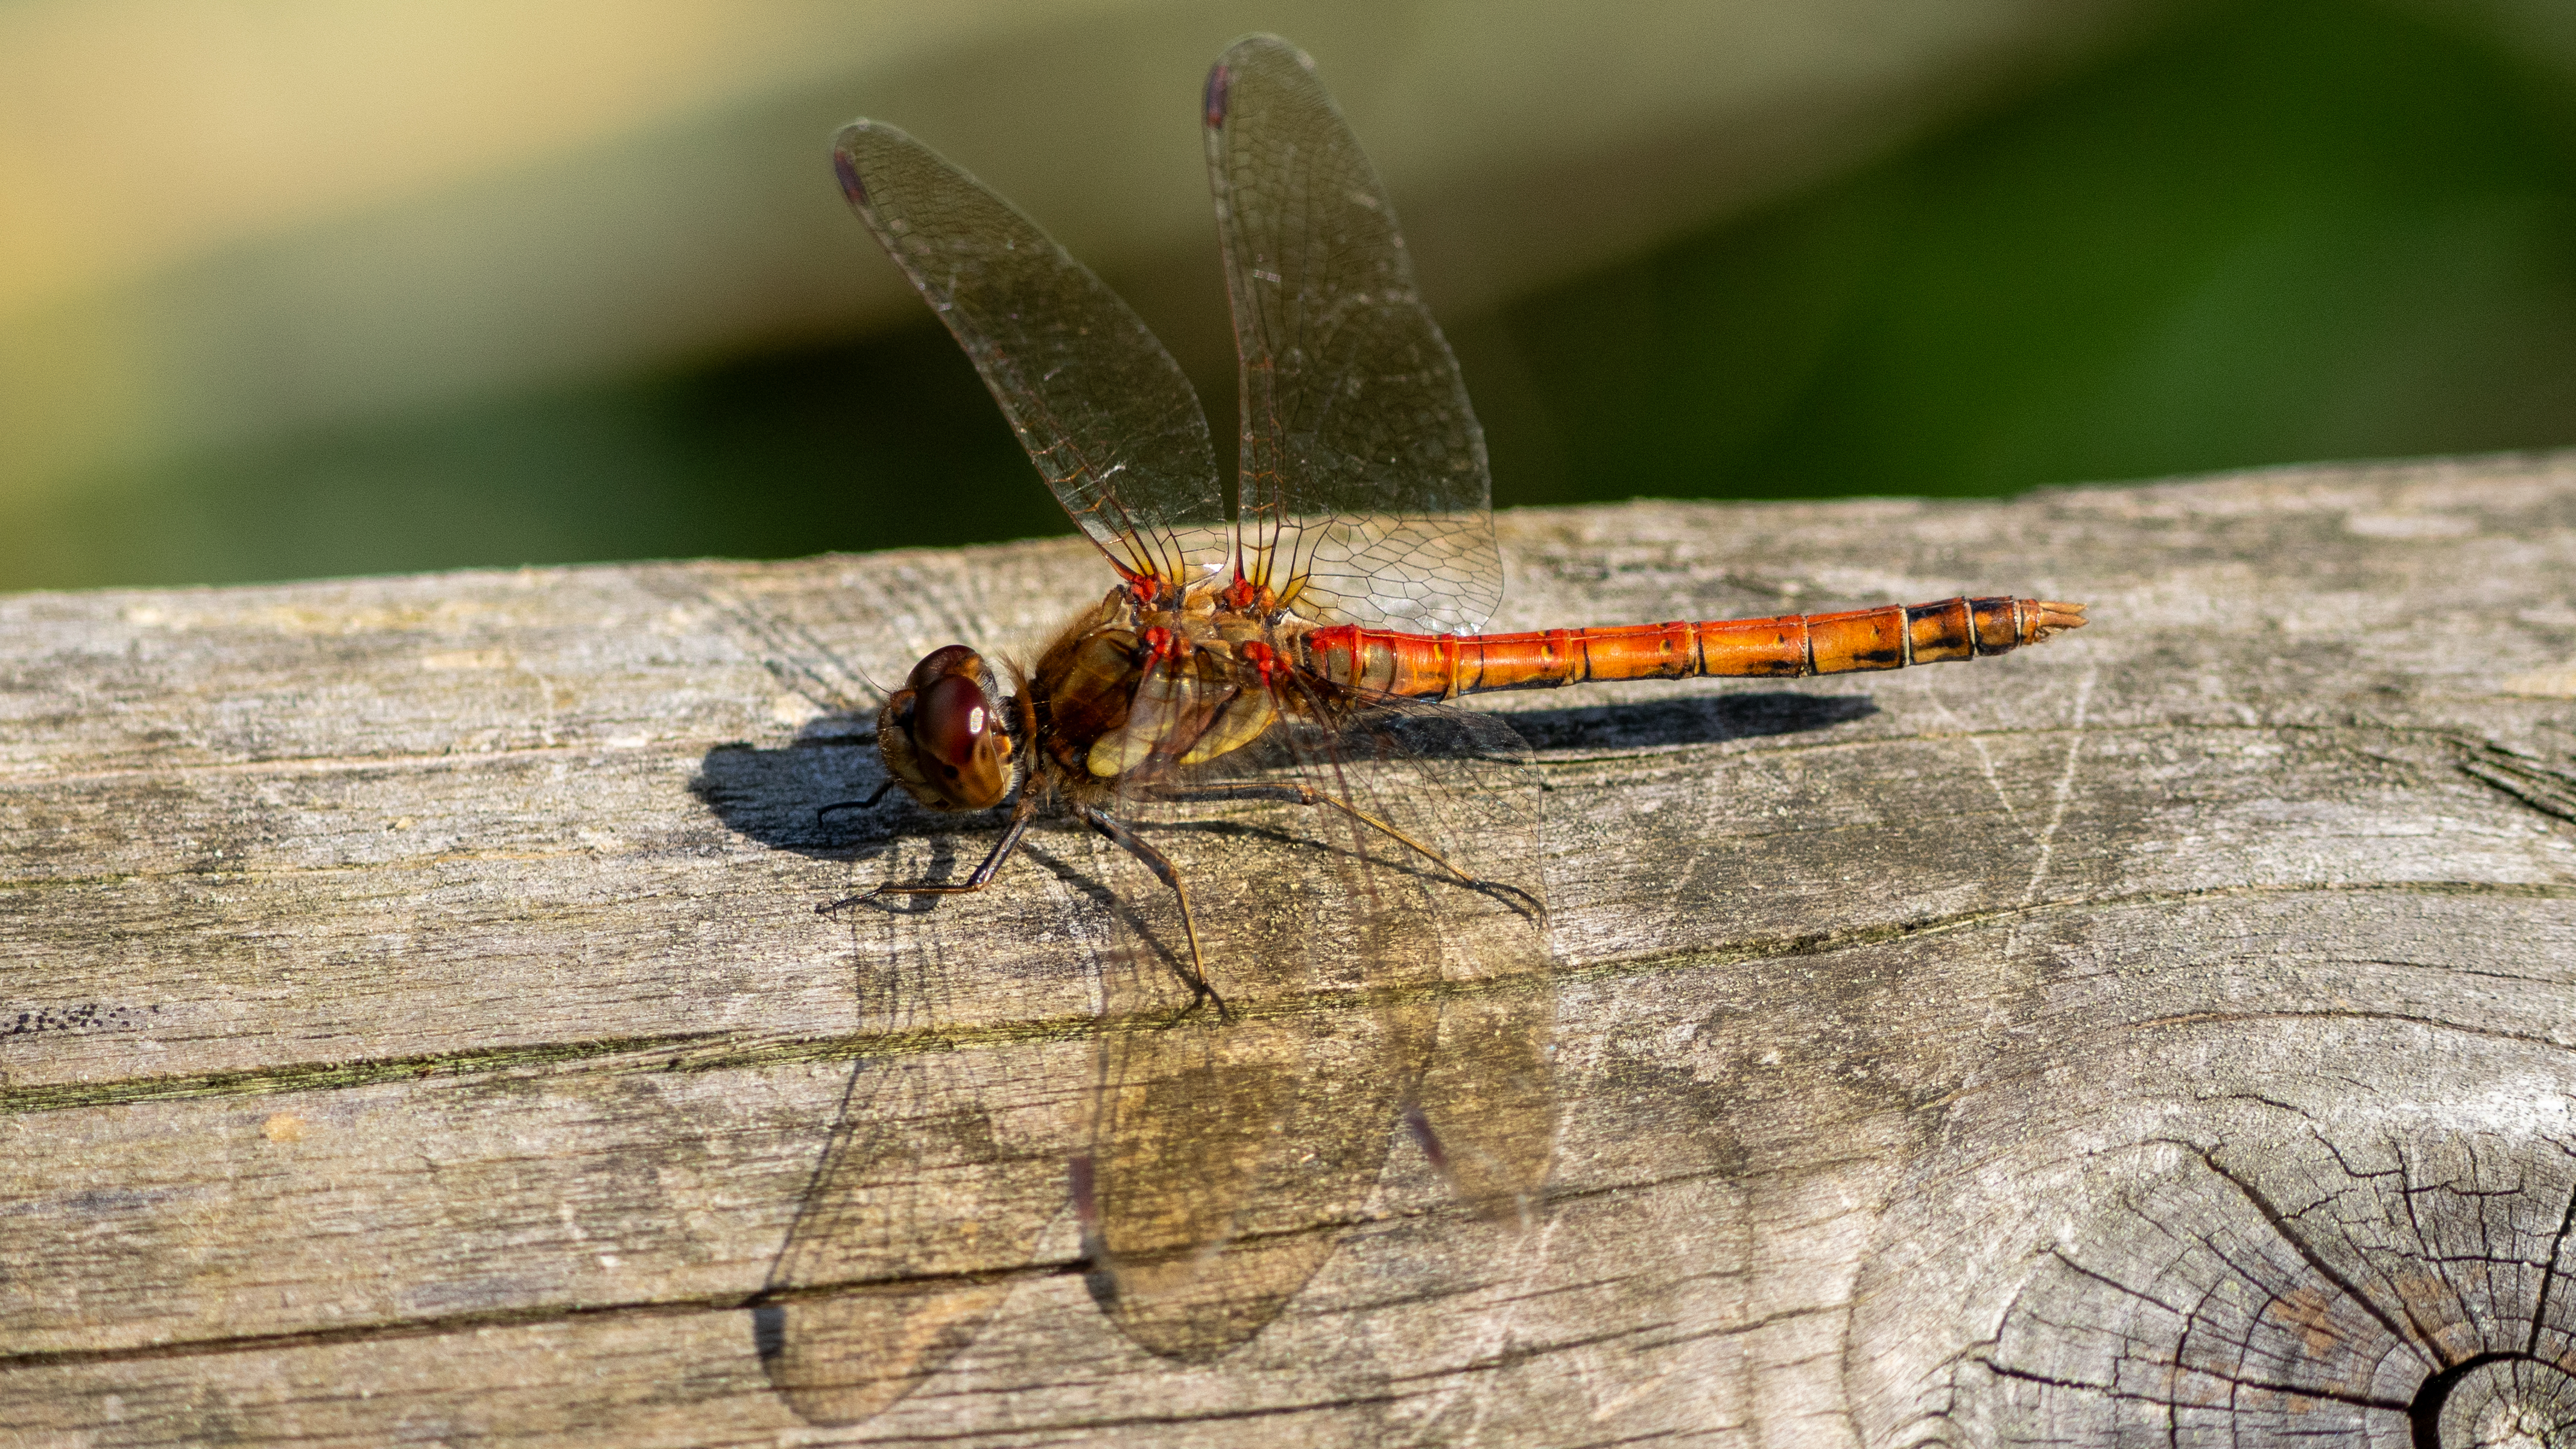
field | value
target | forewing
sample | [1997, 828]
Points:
[904, 1245]
[944, 1167]
[1231, 1145]
[1104, 411]
[1364, 486]
[1230, 1149]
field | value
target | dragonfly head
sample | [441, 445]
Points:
[943, 734]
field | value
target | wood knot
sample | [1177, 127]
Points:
[2502, 1401]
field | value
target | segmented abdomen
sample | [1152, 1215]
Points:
[1429, 666]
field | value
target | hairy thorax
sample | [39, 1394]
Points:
[1133, 692]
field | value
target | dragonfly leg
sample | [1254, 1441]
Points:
[1194, 976]
[1309, 795]
[869, 803]
[1021, 814]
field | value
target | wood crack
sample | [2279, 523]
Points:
[289, 766]
[2358, 1401]
[2550, 1272]
[713, 1052]
[2283, 1225]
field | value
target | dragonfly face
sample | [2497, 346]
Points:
[942, 735]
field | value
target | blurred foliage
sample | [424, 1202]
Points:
[875, 445]
[2289, 232]
[2270, 232]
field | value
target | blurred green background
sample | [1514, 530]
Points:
[301, 294]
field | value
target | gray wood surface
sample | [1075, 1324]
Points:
[415, 1025]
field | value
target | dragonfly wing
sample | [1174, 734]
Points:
[933, 1189]
[1231, 1148]
[1364, 486]
[1104, 411]
[877, 1287]
[1228, 1158]
[1362, 977]
[1461, 783]
[1365, 492]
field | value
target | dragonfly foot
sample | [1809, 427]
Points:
[889, 888]
[1201, 995]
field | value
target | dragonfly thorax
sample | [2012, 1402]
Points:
[1127, 689]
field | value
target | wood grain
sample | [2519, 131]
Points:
[417, 1027]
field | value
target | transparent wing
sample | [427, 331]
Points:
[1461, 783]
[905, 1243]
[1230, 1150]
[927, 1203]
[1364, 486]
[1104, 411]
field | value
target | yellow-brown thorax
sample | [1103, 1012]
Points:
[1127, 689]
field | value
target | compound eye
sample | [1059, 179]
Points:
[951, 659]
[951, 721]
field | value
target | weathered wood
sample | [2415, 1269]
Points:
[417, 1027]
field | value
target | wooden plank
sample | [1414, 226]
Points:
[417, 1023]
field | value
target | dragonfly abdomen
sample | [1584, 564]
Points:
[1891, 636]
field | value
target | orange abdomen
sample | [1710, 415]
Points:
[1438, 666]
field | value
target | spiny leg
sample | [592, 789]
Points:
[1308, 795]
[1022, 812]
[1195, 977]
[1304, 794]
[870, 803]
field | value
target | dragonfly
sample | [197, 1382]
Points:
[1361, 942]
